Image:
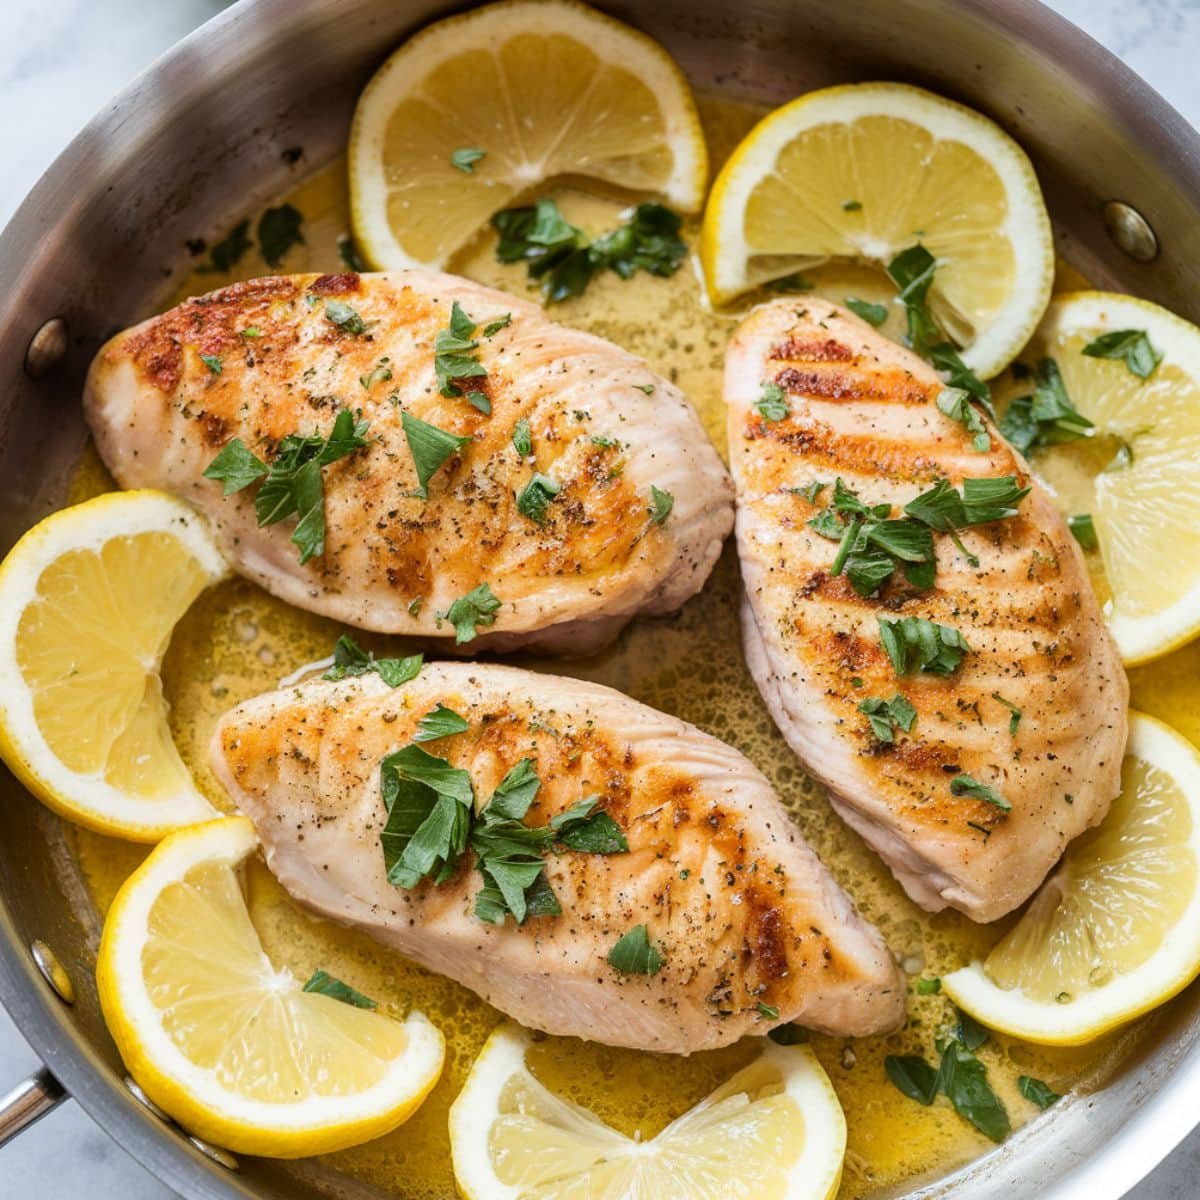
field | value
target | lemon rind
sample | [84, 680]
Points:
[190, 1094]
[1028, 224]
[89, 800]
[1172, 967]
[484, 27]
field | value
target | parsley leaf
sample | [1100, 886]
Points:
[438, 723]
[212, 362]
[534, 498]
[916, 644]
[477, 607]
[430, 447]
[929, 987]
[325, 984]
[1036, 1091]
[873, 314]
[1014, 713]
[956, 404]
[350, 660]
[345, 318]
[1045, 417]
[465, 159]
[227, 252]
[661, 504]
[564, 259]
[886, 716]
[579, 828]
[980, 502]
[913, 1076]
[454, 358]
[235, 467]
[293, 483]
[278, 231]
[1132, 346]
[635, 954]
[963, 1078]
[964, 785]
[773, 404]
[382, 373]
[1084, 529]
[493, 327]
[769, 1011]
[522, 438]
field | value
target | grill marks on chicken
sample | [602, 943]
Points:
[864, 410]
[264, 359]
[740, 909]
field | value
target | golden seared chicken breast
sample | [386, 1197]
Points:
[414, 453]
[918, 617]
[588, 865]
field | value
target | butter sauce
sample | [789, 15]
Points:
[237, 641]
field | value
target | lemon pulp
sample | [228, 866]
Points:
[1125, 884]
[237, 642]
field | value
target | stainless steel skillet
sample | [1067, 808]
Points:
[198, 140]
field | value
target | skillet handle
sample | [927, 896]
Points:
[28, 1102]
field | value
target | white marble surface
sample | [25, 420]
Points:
[59, 61]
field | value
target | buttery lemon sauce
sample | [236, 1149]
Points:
[237, 641]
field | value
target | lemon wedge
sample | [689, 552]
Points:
[774, 1131]
[1115, 931]
[231, 1047]
[1146, 444]
[88, 599]
[479, 109]
[861, 172]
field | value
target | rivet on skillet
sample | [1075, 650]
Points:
[53, 972]
[1130, 231]
[214, 1152]
[135, 1090]
[46, 348]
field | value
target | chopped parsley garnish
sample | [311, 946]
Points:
[964, 785]
[635, 954]
[956, 404]
[1014, 713]
[438, 723]
[229, 250]
[1036, 1091]
[350, 659]
[493, 327]
[873, 314]
[929, 987]
[348, 251]
[251, 332]
[980, 502]
[912, 271]
[648, 388]
[851, 206]
[338, 313]
[212, 362]
[661, 504]
[769, 1011]
[1132, 346]
[564, 259]
[293, 483]
[279, 229]
[916, 644]
[454, 358]
[522, 438]
[381, 373]
[1046, 416]
[773, 404]
[960, 1077]
[430, 447]
[534, 498]
[325, 984]
[464, 159]
[1084, 529]
[477, 607]
[886, 716]
[581, 828]
[810, 491]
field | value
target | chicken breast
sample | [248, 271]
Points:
[751, 930]
[587, 492]
[1033, 718]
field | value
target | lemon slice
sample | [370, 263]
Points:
[1115, 931]
[1147, 437]
[231, 1047]
[545, 89]
[88, 599]
[774, 1131]
[864, 171]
